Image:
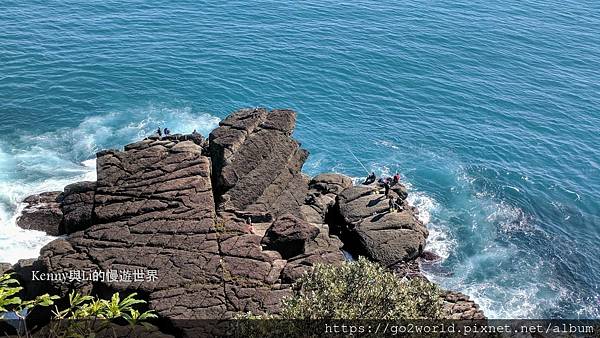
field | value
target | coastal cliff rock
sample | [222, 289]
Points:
[322, 196]
[150, 224]
[289, 235]
[256, 164]
[384, 236]
[42, 212]
[77, 206]
[168, 218]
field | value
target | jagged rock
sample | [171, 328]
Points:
[289, 235]
[330, 183]
[322, 194]
[78, 206]
[458, 306]
[384, 236]
[154, 212]
[5, 267]
[323, 249]
[430, 257]
[42, 212]
[256, 164]
[400, 191]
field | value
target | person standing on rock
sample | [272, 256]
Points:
[386, 186]
[167, 132]
[397, 178]
[391, 204]
[249, 224]
[159, 132]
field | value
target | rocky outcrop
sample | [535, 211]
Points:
[256, 164]
[460, 307]
[42, 212]
[77, 206]
[150, 225]
[322, 195]
[289, 236]
[208, 230]
[388, 237]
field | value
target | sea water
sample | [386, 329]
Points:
[490, 111]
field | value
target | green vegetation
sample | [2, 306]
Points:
[11, 302]
[85, 315]
[361, 290]
[358, 290]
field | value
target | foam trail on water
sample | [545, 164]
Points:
[37, 163]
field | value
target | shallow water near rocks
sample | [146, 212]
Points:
[489, 110]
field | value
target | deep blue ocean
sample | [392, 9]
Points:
[489, 109]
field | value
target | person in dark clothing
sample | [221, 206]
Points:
[391, 204]
[167, 132]
[386, 186]
[397, 178]
[159, 132]
[370, 179]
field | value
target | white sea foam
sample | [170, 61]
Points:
[48, 162]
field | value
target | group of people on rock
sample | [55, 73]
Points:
[395, 204]
[165, 132]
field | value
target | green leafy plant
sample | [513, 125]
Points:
[84, 317]
[11, 303]
[87, 315]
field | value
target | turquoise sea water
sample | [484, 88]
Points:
[489, 109]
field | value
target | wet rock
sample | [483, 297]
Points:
[459, 306]
[42, 212]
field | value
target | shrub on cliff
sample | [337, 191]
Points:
[361, 290]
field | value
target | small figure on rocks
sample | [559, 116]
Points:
[159, 132]
[396, 178]
[194, 132]
[370, 179]
[249, 224]
[386, 186]
[392, 204]
[167, 132]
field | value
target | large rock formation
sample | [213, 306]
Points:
[150, 224]
[172, 219]
[382, 235]
[257, 165]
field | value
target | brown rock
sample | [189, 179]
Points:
[42, 212]
[384, 236]
[256, 164]
[78, 206]
[289, 235]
